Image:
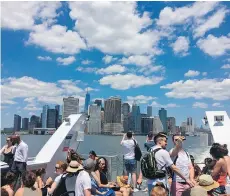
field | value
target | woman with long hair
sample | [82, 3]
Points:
[9, 179]
[8, 151]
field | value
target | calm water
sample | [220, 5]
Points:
[110, 145]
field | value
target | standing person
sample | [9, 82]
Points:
[163, 160]
[227, 159]
[93, 155]
[181, 159]
[20, 157]
[8, 151]
[149, 141]
[128, 144]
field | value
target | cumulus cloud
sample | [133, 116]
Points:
[226, 66]
[204, 74]
[148, 70]
[108, 59]
[206, 88]
[86, 62]
[181, 46]
[140, 60]
[66, 61]
[111, 69]
[141, 99]
[192, 73]
[87, 69]
[199, 105]
[214, 46]
[218, 105]
[126, 81]
[169, 105]
[44, 58]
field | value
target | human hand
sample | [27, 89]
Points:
[190, 183]
[49, 181]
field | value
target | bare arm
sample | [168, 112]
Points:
[96, 176]
[176, 149]
[87, 192]
[191, 172]
[53, 187]
[177, 171]
[123, 138]
[216, 170]
[2, 150]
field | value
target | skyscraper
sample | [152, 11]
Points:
[135, 119]
[190, 126]
[98, 102]
[171, 124]
[149, 110]
[125, 112]
[157, 125]
[44, 116]
[94, 123]
[70, 106]
[57, 107]
[52, 118]
[146, 124]
[163, 118]
[113, 115]
[17, 122]
[87, 101]
[25, 124]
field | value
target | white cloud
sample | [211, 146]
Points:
[56, 39]
[213, 21]
[228, 60]
[206, 88]
[86, 62]
[32, 108]
[192, 73]
[181, 46]
[184, 15]
[214, 46]
[66, 61]
[140, 60]
[204, 74]
[44, 58]
[147, 70]
[169, 105]
[36, 92]
[123, 82]
[87, 69]
[218, 105]
[108, 59]
[111, 69]
[141, 99]
[226, 66]
[199, 105]
[122, 31]
[23, 15]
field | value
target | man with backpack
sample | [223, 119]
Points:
[182, 160]
[149, 141]
[154, 164]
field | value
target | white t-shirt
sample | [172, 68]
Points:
[128, 149]
[58, 178]
[83, 182]
[183, 162]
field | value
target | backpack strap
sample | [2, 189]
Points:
[135, 143]
[154, 152]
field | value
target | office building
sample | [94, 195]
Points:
[17, 122]
[87, 102]
[57, 107]
[102, 120]
[70, 106]
[135, 119]
[52, 118]
[44, 116]
[157, 125]
[149, 111]
[98, 102]
[190, 126]
[113, 115]
[125, 113]
[163, 118]
[171, 124]
[146, 125]
[94, 123]
[25, 124]
[35, 120]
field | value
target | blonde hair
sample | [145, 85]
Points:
[159, 190]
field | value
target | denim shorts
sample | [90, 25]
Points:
[130, 165]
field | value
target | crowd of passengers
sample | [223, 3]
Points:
[76, 176]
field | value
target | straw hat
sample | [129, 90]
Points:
[206, 182]
[198, 191]
[73, 167]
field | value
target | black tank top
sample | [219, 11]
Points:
[103, 177]
[9, 157]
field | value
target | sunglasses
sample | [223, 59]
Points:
[57, 168]
[8, 140]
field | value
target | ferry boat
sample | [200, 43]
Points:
[71, 133]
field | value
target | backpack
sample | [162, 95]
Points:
[137, 151]
[149, 167]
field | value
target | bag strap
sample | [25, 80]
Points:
[135, 143]
[154, 152]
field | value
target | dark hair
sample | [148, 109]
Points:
[4, 192]
[28, 179]
[74, 156]
[40, 171]
[150, 134]
[129, 134]
[216, 151]
[64, 166]
[225, 149]
[10, 177]
[160, 134]
[105, 170]
[174, 135]
[93, 153]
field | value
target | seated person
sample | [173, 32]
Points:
[159, 190]
[39, 180]
[9, 178]
[197, 170]
[209, 165]
[122, 182]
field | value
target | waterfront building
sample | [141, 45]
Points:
[149, 110]
[190, 126]
[70, 106]
[17, 122]
[146, 124]
[98, 102]
[35, 120]
[163, 118]
[44, 116]
[157, 125]
[102, 120]
[52, 118]
[135, 119]
[113, 115]
[57, 107]
[183, 128]
[94, 123]
[25, 124]
[171, 124]
[87, 102]
[125, 113]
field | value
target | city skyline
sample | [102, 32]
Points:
[147, 53]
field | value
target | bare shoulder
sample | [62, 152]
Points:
[19, 192]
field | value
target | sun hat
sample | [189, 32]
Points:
[206, 182]
[198, 191]
[73, 167]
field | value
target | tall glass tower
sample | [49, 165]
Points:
[163, 118]
[87, 101]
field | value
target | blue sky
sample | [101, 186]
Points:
[165, 54]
